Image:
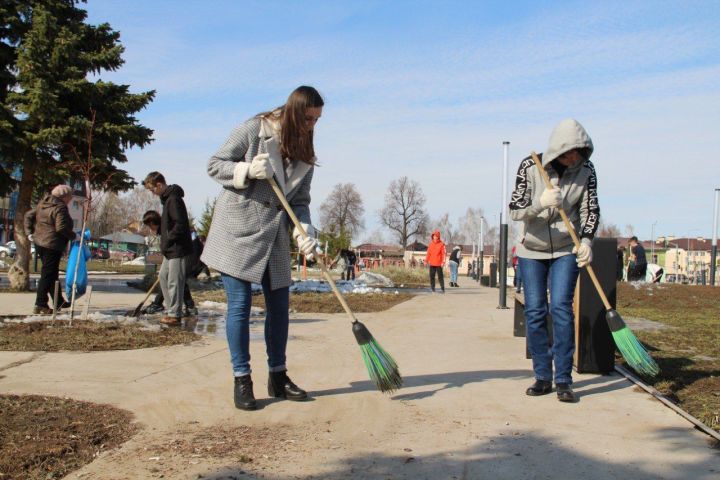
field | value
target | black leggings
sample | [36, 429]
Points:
[439, 271]
[48, 275]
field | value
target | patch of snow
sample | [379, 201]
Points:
[211, 308]
[136, 261]
[374, 280]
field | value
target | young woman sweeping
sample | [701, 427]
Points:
[248, 240]
[547, 256]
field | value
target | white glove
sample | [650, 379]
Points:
[551, 198]
[260, 167]
[307, 245]
[584, 252]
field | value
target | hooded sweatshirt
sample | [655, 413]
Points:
[544, 232]
[175, 240]
[456, 254]
[50, 224]
[435, 256]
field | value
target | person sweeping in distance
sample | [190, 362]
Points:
[248, 240]
[547, 255]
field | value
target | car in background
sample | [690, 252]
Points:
[122, 254]
[99, 253]
[7, 250]
[10, 248]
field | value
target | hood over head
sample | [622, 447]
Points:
[172, 190]
[456, 247]
[435, 237]
[567, 135]
[50, 201]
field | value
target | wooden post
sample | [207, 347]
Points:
[55, 301]
[86, 307]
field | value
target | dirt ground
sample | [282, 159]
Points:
[43, 438]
[461, 414]
[87, 336]
[312, 302]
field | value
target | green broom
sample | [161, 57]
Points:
[380, 365]
[629, 346]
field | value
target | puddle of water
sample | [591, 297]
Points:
[209, 322]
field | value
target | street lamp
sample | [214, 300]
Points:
[713, 247]
[652, 242]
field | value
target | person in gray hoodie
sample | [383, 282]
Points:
[547, 256]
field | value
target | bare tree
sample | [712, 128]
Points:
[107, 215]
[469, 224]
[376, 236]
[629, 230]
[448, 233]
[609, 230]
[136, 203]
[404, 211]
[343, 210]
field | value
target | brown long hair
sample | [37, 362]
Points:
[296, 140]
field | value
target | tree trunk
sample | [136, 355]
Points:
[19, 273]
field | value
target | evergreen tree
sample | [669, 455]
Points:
[68, 122]
[206, 218]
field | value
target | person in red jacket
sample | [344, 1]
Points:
[435, 258]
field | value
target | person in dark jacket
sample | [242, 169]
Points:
[454, 263]
[50, 227]
[638, 261]
[351, 260]
[152, 220]
[175, 244]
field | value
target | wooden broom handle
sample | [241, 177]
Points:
[151, 289]
[281, 196]
[571, 229]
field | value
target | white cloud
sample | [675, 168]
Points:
[641, 77]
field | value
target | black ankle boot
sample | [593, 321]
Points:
[565, 393]
[279, 385]
[244, 398]
[540, 387]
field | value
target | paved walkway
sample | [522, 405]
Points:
[462, 414]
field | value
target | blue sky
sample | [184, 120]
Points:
[430, 90]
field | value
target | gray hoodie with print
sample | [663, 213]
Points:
[544, 233]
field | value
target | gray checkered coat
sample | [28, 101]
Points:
[249, 230]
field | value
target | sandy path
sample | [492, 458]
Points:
[462, 413]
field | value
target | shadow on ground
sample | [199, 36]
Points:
[524, 456]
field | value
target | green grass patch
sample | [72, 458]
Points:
[688, 353]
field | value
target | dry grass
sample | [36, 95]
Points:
[688, 353]
[320, 302]
[87, 336]
[47, 437]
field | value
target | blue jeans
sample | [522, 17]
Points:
[453, 271]
[562, 274]
[277, 319]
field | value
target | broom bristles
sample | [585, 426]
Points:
[634, 353]
[381, 367]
